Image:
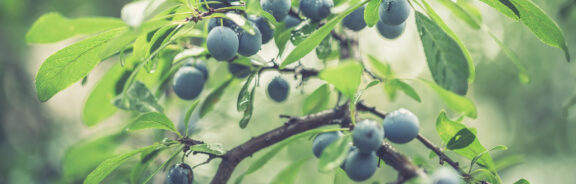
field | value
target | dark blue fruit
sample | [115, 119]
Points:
[278, 8]
[360, 166]
[180, 174]
[355, 20]
[278, 89]
[390, 32]
[291, 21]
[200, 65]
[188, 82]
[367, 135]
[238, 70]
[212, 23]
[265, 29]
[401, 126]
[446, 175]
[316, 9]
[222, 43]
[249, 43]
[216, 3]
[323, 140]
[394, 12]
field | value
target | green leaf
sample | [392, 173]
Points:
[188, 115]
[447, 129]
[249, 109]
[522, 181]
[504, 7]
[53, 27]
[340, 177]
[281, 37]
[334, 154]
[71, 64]
[383, 70]
[371, 15]
[485, 175]
[213, 98]
[299, 35]
[109, 165]
[462, 139]
[317, 100]
[138, 98]
[542, 25]
[315, 38]
[454, 101]
[154, 120]
[391, 86]
[74, 162]
[436, 18]
[522, 73]
[288, 175]
[244, 96]
[257, 164]
[147, 156]
[447, 62]
[475, 159]
[325, 48]
[346, 77]
[215, 149]
[461, 13]
[99, 104]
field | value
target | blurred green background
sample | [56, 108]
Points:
[535, 120]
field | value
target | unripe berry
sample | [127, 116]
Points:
[180, 174]
[367, 135]
[401, 126]
[222, 43]
[323, 140]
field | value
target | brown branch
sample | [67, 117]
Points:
[297, 125]
[406, 169]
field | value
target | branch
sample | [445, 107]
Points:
[443, 157]
[296, 125]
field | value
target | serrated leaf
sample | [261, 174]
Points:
[447, 129]
[347, 84]
[447, 62]
[109, 165]
[455, 102]
[215, 149]
[315, 38]
[213, 98]
[462, 139]
[138, 98]
[99, 104]
[288, 175]
[541, 25]
[335, 153]
[53, 27]
[153, 120]
[71, 64]
[504, 7]
[371, 15]
[317, 100]
[74, 162]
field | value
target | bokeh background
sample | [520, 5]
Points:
[535, 120]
